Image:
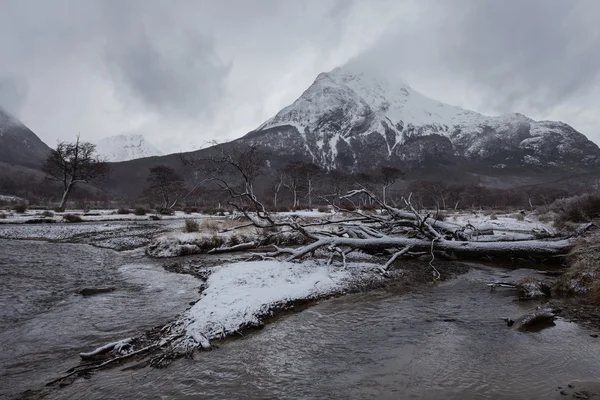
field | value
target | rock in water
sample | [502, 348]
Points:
[93, 291]
[539, 319]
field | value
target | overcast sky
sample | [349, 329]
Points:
[184, 72]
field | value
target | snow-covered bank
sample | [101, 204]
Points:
[241, 295]
[244, 295]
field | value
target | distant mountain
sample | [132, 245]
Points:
[126, 147]
[18, 144]
[354, 119]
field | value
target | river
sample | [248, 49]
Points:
[444, 341]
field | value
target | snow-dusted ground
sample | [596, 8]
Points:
[504, 222]
[92, 216]
[53, 231]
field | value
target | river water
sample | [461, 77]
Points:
[44, 324]
[445, 341]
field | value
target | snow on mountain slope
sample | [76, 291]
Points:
[348, 117]
[126, 147]
[18, 144]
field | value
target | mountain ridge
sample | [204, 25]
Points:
[350, 119]
[18, 144]
[126, 147]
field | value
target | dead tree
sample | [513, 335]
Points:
[388, 176]
[72, 164]
[166, 185]
[398, 232]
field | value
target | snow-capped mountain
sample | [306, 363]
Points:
[353, 119]
[18, 144]
[126, 147]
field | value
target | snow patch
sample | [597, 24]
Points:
[239, 295]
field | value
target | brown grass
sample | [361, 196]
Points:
[191, 225]
[583, 275]
[209, 225]
[72, 218]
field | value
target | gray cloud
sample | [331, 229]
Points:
[534, 53]
[187, 71]
[13, 93]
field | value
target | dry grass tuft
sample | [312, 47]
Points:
[191, 225]
[72, 218]
[583, 275]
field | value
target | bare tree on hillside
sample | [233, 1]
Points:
[165, 185]
[74, 163]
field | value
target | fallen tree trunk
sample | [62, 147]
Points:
[527, 248]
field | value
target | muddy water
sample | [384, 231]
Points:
[446, 341]
[44, 324]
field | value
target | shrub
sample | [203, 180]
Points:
[519, 216]
[547, 217]
[493, 216]
[323, 209]
[191, 225]
[210, 226]
[2, 215]
[234, 240]
[439, 216]
[368, 207]
[577, 209]
[189, 210]
[208, 243]
[47, 214]
[348, 206]
[140, 211]
[72, 218]
[123, 211]
[164, 211]
[282, 209]
[20, 208]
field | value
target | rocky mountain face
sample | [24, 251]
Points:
[351, 119]
[126, 147]
[18, 144]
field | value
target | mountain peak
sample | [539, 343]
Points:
[353, 117]
[8, 119]
[125, 147]
[18, 144]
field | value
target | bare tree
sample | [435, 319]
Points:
[293, 182]
[165, 185]
[276, 185]
[388, 176]
[310, 172]
[74, 163]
